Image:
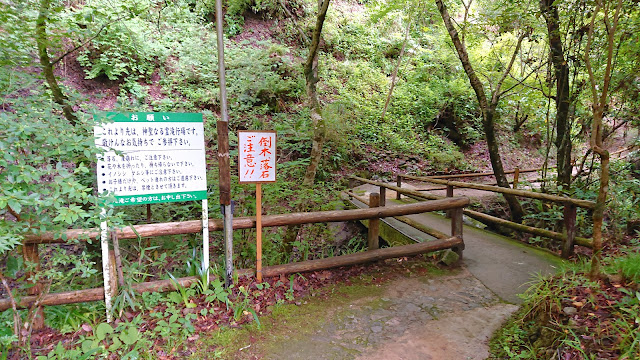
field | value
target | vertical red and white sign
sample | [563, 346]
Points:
[257, 156]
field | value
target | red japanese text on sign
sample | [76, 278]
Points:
[257, 156]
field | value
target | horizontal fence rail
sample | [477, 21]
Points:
[195, 226]
[587, 204]
[191, 227]
[568, 238]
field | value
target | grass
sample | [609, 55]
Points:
[570, 316]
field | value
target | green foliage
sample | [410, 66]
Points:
[47, 184]
[627, 265]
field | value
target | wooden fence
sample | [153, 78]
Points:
[455, 242]
[567, 237]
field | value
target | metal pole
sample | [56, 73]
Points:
[205, 237]
[223, 152]
[106, 271]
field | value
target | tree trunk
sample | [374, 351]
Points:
[47, 66]
[395, 70]
[319, 128]
[549, 10]
[488, 108]
[311, 76]
[599, 102]
[496, 162]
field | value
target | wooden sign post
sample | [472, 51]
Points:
[257, 164]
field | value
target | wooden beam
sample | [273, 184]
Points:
[363, 257]
[524, 228]
[407, 220]
[195, 226]
[373, 235]
[398, 190]
[95, 294]
[458, 176]
[524, 193]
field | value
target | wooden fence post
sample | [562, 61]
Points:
[570, 212]
[398, 184]
[456, 227]
[449, 194]
[516, 175]
[383, 196]
[31, 255]
[373, 241]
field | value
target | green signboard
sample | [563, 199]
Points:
[151, 157]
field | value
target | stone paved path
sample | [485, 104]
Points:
[448, 317]
[420, 317]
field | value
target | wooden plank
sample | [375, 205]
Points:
[363, 257]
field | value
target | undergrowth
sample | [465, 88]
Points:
[569, 316]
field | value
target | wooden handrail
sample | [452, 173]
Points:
[553, 235]
[195, 226]
[524, 193]
[457, 176]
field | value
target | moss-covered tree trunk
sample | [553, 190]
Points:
[42, 41]
[311, 77]
[599, 103]
[488, 107]
[319, 128]
[549, 10]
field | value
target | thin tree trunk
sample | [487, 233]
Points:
[599, 103]
[488, 108]
[311, 76]
[42, 42]
[549, 10]
[395, 71]
[319, 128]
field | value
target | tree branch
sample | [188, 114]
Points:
[521, 81]
[104, 26]
[15, 214]
[497, 93]
[17, 323]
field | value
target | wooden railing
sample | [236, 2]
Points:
[568, 237]
[455, 242]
